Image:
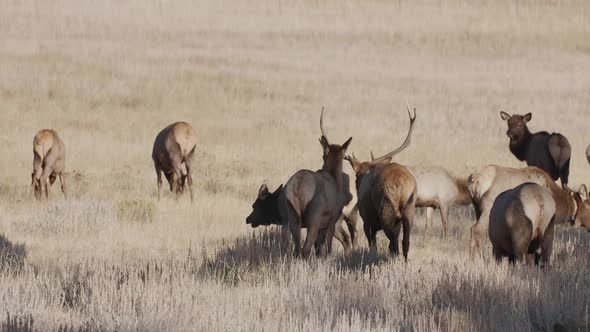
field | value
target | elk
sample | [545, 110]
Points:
[49, 162]
[314, 200]
[486, 184]
[522, 222]
[437, 189]
[386, 196]
[549, 152]
[265, 212]
[175, 145]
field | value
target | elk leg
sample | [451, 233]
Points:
[45, 186]
[351, 220]
[407, 225]
[62, 182]
[176, 184]
[294, 224]
[320, 243]
[392, 234]
[310, 238]
[547, 245]
[444, 217]
[36, 176]
[159, 178]
[341, 235]
[371, 235]
[188, 162]
[498, 253]
[429, 216]
[284, 238]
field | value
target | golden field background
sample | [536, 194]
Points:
[252, 76]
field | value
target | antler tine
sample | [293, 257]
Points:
[372, 156]
[406, 142]
[322, 125]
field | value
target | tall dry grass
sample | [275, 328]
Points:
[251, 76]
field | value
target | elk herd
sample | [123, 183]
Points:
[516, 209]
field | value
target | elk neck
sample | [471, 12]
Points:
[565, 204]
[521, 146]
[336, 172]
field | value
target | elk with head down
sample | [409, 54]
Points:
[175, 145]
[549, 152]
[266, 212]
[486, 184]
[386, 196]
[49, 162]
[314, 200]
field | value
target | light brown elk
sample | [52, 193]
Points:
[522, 222]
[314, 200]
[386, 197]
[437, 189]
[174, 146]
[49, 162]
[486, 184]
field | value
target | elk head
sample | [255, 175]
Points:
[265, 210]
[363, 168]
[333, 154]
[582, 217]
[516, 125]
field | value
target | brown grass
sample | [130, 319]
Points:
[251, 76]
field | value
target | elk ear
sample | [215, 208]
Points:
[505, 116]
[263, 191]
[583, 192]
[345, 146]
[278, 189]
[527, 117]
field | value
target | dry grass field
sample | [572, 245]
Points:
[252, 76]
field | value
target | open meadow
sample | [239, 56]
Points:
[251, 76]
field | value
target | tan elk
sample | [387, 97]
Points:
[314, 200]
[522, 222]
[486, 184]
[49, 162]
[174, 146]
[437, 189]
[386, 196]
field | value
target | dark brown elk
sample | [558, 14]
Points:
[549, 152]
[522, 223]
[486, 184]
[49, 162]
[174, 146]
[266, 212]
[386, 197]
[314, 200]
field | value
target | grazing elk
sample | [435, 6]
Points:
[549, 152]
[174, 146]
[314, 200]
[266, 211]
[522, 222]
[49, 162]
[485, 185]
[386, 196]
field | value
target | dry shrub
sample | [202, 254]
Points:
[136, 211]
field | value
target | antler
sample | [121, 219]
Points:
[322, 125]
[406, 142]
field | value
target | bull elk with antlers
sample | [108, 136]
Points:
[314, 200]
[49, 162]
[387, 196]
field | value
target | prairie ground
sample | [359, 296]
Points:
[252, 76]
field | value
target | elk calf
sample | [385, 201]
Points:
[549, 152]
[522, 222]
[49, 162]
[174, 146]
